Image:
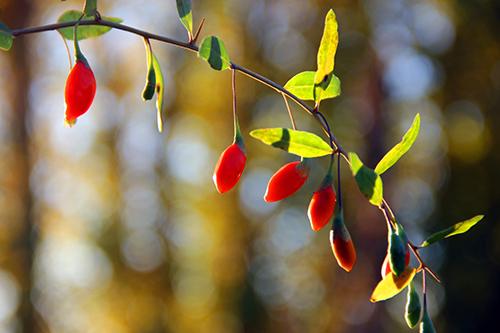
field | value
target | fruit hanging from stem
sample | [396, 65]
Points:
[322, 204]
[80, 87]
[341, 243]
[287, 180]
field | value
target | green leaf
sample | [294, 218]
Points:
[160, 90]
[6, 37]
[87, 31]
[456, 229]
[426, 325]
[369, 182]
[327, 48]
[212, 49]
[401, 148]
[184, 9]
[302, 85]
[90, 8]
[391, 285]
[413, 309]
[150, 86]
[397, 252]
[301, 143]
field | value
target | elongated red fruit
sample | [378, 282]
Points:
[386, 266]
[229, 168]
[321, 207]
[80, 91]
[342, 245]
[286, 181]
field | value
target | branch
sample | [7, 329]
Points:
[193, 48]
[253, 75]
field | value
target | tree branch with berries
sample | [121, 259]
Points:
[307, 89]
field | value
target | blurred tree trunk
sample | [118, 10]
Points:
[17, 14]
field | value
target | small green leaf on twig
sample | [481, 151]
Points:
[6, 37]
[86, 31]
[184, 8]
[302, 85]
[160, 91]
[401, 148]
[456, 229]
[327, 48]
[212, 50]
[369, 182]
[301, 143]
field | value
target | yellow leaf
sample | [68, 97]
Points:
[392, 285]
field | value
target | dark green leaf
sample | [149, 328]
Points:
[160, 91]
[6, 37]
[401, 148]
[302, 85]
[150, 87]
[456, 229]
[301, 143]
[90, 8]
[87, 31]
[413, 307]
[369, 182]
[426, 325]
[184, 9]
[212, 49]
[397, 252]
[327, 48]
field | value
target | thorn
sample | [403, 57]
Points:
[197, 34]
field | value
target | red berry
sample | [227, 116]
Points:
[229, 168]
[286, 181]
[79, 92]
[343, 248]
[386, 266]
[321, 207]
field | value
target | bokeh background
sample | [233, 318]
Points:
[112, 227]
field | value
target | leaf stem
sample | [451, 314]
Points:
[292, 120]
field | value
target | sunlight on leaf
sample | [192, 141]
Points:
[301, 143]
[401, 148]
[369, 182]
[456, 229]
[327, 48]
[391, 285]
[87, 31]
[184, 8]
[302, 85]
[212, 49]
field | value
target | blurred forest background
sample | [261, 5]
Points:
[112, 227]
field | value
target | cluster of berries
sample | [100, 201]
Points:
[285, 182]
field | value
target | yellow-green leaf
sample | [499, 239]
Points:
[456, 229]
[391, 285]
[212, 49]
[302, 85]
[401, 148]
[369, 182]
[84, 31]
[327, 48]
[184, 8]
[150, 86]
[301, 143]
[6, 37]
[160, 90]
